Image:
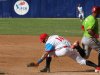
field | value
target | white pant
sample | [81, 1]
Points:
[81, 15]
[89, 44]
[71, 53]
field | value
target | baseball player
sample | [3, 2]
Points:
[80, 11]
[91, 35]
[58, 46]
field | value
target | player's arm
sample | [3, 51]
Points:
[48, 48]
[91, 32]
[33, 64]
[43, 57]
[91, 27]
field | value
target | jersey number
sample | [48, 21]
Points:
[60, 38]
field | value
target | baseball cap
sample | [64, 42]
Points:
[95, 9]
[43, 37]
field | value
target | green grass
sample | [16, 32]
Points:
[36, 26]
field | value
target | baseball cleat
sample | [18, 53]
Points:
[45, 70]
[97, 70]
[75, 44]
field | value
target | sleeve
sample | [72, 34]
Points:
[49, 47]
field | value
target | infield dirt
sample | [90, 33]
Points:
[16, 51]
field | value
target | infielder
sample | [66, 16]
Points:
[91, 34]
[58, 46]
[80, 11]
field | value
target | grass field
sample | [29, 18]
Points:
[35, 26]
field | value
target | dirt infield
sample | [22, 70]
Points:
[18, 50]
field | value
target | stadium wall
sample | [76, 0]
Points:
[45, 8]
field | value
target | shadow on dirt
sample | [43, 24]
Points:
[2, 73]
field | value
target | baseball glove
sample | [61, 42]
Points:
[32, 64]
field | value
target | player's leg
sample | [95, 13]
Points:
[86, 42]
[48, 61]
[79, 16]
[98, 68]
[96, 45]
[82, 16]
[61, 52]
[84, 52]
[76, 56]
[87, 50]
[99, 58]
[89, 63]
[78, 48]
[47, 67]
[58, 52]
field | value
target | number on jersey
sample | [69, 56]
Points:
[60, 38]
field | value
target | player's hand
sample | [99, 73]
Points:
[32, 64]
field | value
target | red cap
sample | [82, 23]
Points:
[95, 9]
[43, 37]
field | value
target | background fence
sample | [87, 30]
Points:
[48, 8]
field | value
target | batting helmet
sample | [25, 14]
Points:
[95, 9]
[43, 37]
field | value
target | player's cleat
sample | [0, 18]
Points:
[45, 70]
[75, 44]
[97, 70]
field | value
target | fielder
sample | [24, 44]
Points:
[80, 11]
[91, 35]
[58, 46]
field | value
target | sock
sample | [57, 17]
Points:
[48, 61]
[81, 51]
[89, 63]
[99, 59]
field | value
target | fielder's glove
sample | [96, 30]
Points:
[32, 64]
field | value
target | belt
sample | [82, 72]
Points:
[65, 46]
